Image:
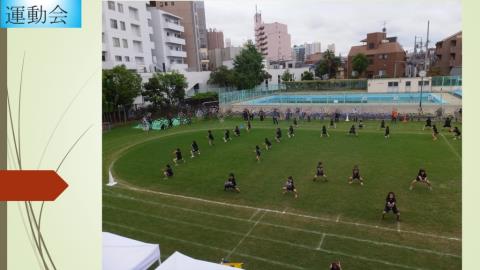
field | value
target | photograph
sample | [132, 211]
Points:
[223, 119]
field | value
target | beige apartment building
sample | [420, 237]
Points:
[272, 40]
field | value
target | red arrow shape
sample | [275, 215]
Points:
[30, 185]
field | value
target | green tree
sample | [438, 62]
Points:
[328, 65]
[360, 63]
[120, 87]
[223, 77]
[307, 76]
[287, 76]
[248, 67]
[166, 89]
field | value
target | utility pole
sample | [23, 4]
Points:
[426, 46]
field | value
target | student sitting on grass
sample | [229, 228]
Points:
[320, 172]
[278, 135]
[231, 183]
[391, 205]
[434, 132]
[324, 132]
[457, 134]
[355, 176]
[195, 149]
[168, 172]
[291, 132]
[290, 187]
[257, 153]
[268, 144]
[178, 156]
[210, 138]
[387, 132]
[352, 131]
[421, 178]
[236, 131]
[226, 136]
[448, 124]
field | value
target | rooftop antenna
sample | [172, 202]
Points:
[384, 29]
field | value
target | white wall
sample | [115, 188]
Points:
[297, 73]
[382, 85]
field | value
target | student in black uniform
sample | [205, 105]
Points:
[434, 132]
[332, 123]
[291, 132]
[335, 266]
[387, 132]
[236, 131]
[320, 172]
[278, 135]
[356, 175]
[360, 124]
[210, 138]
[382, 124]
[352, 131]
[448, 124]
[295, 123]
[231, 183]
[428, 123]
[178, 156]
[261, 113]
[168, 172]
[257, 153]
[421, 178]
[249, 126]
[226, 136]
[391, 205]
[268, 144]
[457, 134]
[195, 149]
[324, 132]
[290, 187]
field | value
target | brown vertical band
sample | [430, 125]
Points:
[3, 143]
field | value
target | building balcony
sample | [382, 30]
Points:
[178, 67]
[175, 53]
[175, 40]
[174, 26]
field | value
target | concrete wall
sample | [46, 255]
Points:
[382, 85]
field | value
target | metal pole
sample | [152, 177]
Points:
[421, 92]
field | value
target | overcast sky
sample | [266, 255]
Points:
[343, 22]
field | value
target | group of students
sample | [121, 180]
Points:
[457, 135]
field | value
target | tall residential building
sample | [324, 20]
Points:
[272, 40]
[385, 55]
[312, 48]
[228, 42]
[169, 42]
[448, 55]
[299, 53]
[195, 29]
[126, 36]
[215, 39]
[331, 47]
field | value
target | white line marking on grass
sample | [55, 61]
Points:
[203, 245]
[254, 214]
[133, 188]
[338, 219]
[451, 147]
[276, 226]
[264, 239]
[321, 242]
[398, 226]
[246, 235]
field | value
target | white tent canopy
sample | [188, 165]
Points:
[121, 253]
[178, 261]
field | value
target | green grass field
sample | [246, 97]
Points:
[265, 229]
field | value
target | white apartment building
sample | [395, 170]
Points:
[169, 42]
[312, 48]
[126, 36]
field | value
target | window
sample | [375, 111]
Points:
[137, 46]
[113, 24]
[371, 45]
[166, 4]
[122, 25]
[425, 83]
[408, 83]
[127, 58]
[139, 60]
[125, 43]
[149, 22]
[104, 56]
[116, 42]
[111, 5]
[392, 84]
[118, 58]
[120, 8]
[133, 13]
[151, 37]
[136, 30]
